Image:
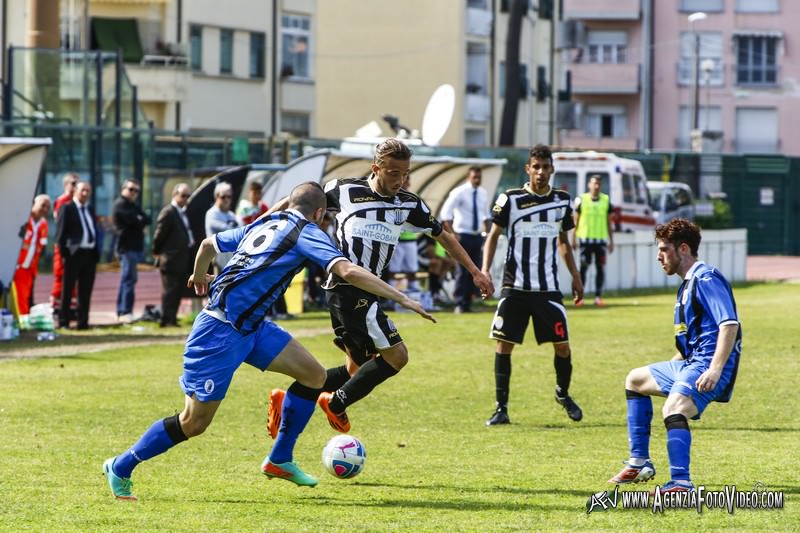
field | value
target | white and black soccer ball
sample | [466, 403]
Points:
[344, 456]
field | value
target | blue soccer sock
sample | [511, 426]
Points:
[298, 406]
[640, 413]
[162, 435]
[679, 445]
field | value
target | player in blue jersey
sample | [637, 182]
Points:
[708, 337]
[232, 330]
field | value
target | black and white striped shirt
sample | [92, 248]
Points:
[368, 225]
[532, 224]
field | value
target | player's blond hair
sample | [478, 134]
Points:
[392, 149]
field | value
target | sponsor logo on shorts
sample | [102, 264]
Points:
[559, 329]
[208, 386]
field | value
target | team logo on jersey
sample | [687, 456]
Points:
[537, 230]
[398, 213]
[680, 329]
[362, 302]
[208, 386]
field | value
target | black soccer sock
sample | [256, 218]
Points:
[502, 378]
[563, 373]
[370, 375]
[599, 278]
[336, 377]
[307, 393]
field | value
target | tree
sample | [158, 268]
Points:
[508, 124]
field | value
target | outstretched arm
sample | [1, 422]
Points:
[457, 252]
[280, 205]
[200, 277]
[366, 280]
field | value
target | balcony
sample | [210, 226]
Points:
[578, 139]
[604, 78]
[479, 22]
[602, 9]
[476, 107]
[159, 82]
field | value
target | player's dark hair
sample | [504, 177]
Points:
[542, 151]
[475, 168]
[307, 197]
[392, 149]
[255, 186]
[678, 231]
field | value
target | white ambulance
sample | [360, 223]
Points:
[623, 180]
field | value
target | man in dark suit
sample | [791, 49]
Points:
[76, 238]
[172, 246]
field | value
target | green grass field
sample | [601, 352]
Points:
[432, 465]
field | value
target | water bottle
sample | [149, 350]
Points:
[6, 325]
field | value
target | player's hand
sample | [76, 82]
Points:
[200, 283]
[707, 380]
[574, 245]
[483, 281]
[415, 306]
[611, 247]
[577, 290]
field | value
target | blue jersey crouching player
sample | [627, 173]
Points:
[708, 337]
[231, 330]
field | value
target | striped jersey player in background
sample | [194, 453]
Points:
[371, 212]
[536, 219]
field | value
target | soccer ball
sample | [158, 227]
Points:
[344, 456]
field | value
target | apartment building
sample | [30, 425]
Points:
[646, 74]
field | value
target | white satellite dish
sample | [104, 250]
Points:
[438, 114]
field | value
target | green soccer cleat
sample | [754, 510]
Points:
[120, 486]
[288, 471]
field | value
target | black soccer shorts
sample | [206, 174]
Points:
[357, 318]
[516, 308]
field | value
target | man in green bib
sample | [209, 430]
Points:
[593, 230]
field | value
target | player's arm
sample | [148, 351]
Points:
[457, 252]
[577, 217]
[610, 228]
[280, 205]
[725, 339]
[200, 277]
[489, 248]
[569, 261]
[366, 280]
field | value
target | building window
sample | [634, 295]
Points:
[479, 4]
[708, 119]
[295, 39]
[257, 54]
[690, 6]
[477, 68]
[757, 130]
[226, 51]
[710, 48]
[196, 45]
[605, 121]
[606, 47]
[474, 137]
[757, 6]
[756, 60]
[295, 123]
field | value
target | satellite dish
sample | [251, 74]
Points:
[438, 114]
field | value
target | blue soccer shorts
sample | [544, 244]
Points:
[214, 350]
[681, 376]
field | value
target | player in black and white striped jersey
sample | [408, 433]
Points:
[371, 212]
[536, 219]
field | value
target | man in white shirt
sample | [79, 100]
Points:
[466, 213]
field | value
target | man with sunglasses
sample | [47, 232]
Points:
[173, 245]
[129, 222]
